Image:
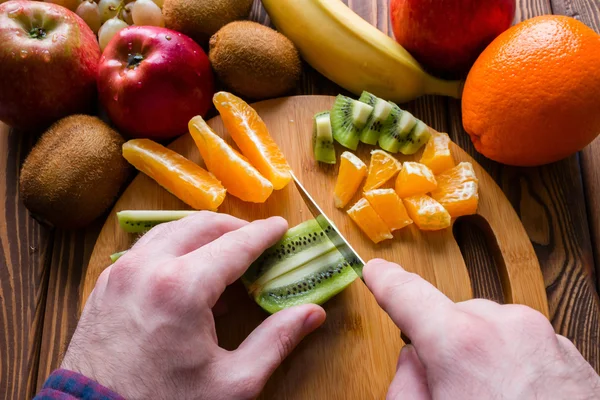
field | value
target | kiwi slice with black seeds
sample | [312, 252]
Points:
[378, 120]
[401, 125]
[140, 221]
[417, 137]
[348, 117]
[323, 138]
[299, 245]
[314, 282]
[303, 267]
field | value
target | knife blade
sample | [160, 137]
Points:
[331, 230]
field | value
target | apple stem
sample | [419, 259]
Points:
[443, 87]
[133, 60]
[37, 33]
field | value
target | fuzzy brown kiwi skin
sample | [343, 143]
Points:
[200, 19]
[74, 172]
[254, 60]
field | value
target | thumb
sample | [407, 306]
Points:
[273, 340]
[410, 381]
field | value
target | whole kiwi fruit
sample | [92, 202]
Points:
[200, 19]
[74, 172]
[254, 60]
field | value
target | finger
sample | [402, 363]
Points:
[97, 294]
[416, 306]
[225, 259]
[269, 344]
[410, 381]
[177, 238]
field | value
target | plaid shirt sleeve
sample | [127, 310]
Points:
[63, 384]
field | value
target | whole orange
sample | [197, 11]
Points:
[533, 95]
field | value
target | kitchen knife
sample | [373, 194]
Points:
[330, 230]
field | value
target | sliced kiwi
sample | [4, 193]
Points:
[348, 117]
[377, 120]
[299, 245]
[139, 221]
[323, 138]
[417, 137]
[303, 267]
[398, 129]
[115, 256]
[314, 282]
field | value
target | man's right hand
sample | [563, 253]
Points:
[476, 349]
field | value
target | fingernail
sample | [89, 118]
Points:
[314, 320]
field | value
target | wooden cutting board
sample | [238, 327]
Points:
[353, 356]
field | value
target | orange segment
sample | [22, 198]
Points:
[382, 168]
[352, 172]
[188, 181]
[415, 178]
[252, 137]
[238, 176]
[369, 221]
[389, 207]
[428, 214]
[437, 154]
[463, 172]
[459, 198]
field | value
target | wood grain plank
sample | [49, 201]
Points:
[24, 249]
[588, 12]
[70, 255]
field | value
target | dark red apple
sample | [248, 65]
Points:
[48, 64]
[447, 36]
[152, 81]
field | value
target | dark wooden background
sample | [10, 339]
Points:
[559, 204]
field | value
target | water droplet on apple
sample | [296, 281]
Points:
[116, 97]
[54, 38]
[139, 83]
[23, 53]
[46, 55]
[130, 45]
[168, 37]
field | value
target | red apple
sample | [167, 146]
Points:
[153, 80]
[447, 36]
[48, 64]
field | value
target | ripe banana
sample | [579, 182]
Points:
[352, 53]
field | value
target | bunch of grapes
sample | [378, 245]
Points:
[107, 17]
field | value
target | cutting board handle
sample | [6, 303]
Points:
[521, 277]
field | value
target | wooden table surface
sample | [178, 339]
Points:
[41, 268]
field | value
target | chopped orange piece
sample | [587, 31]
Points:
[369, 221]
[234, 171]
[188, 181]
[463, 172]
[390, 208]
[352, 172]
[459, 198]
[382, 168]
[428, 214]
[437, 154]
[252, 137]
[415, 178]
